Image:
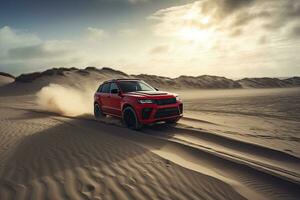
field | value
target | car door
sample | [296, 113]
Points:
[105, 97]
[115, 100]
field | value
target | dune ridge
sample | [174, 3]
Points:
[181, 82]
[269, 82]
[6, 78]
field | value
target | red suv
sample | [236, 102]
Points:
[136, 102]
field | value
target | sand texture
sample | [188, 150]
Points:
[231, 144]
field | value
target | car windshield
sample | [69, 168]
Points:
[133, 86]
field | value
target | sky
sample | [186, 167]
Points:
[231, 38]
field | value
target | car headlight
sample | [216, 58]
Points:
[143, 101]
[178, 98]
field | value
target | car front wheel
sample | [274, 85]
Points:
[130, 119]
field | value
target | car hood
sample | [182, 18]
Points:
[150, 94]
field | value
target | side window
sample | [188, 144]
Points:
[105, 88]
[145, 87]
[99, 89]
[113, 87]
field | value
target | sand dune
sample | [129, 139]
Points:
[269, 82]
[229, 145]
[190, 82]
[91, 75]
[6, 78]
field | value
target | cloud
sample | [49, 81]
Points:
[221, 37]
[137, 1]
[263, 40]
[232, 35]
[236, 32]
[160, 49]
[128, 32]
[10, 38]
[223, 15]
[232, 5]
[22, 52]
[95, 33]
[295, 31]
[19, 49]
[245, 17]
[20, 44]
[46, 50]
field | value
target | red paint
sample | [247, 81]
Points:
[164, 106]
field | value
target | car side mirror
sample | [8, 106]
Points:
[156, 89]
[114, 91]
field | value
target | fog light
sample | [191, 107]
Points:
[146, 112]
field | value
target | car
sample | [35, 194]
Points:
[136, 103]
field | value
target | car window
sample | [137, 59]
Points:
[132, 86]
[113, 86]
[99, 89]
[145, 87]
[105, 88]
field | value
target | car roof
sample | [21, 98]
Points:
[121, 79]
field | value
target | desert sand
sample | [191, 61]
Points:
[5, 78]
[231, 144]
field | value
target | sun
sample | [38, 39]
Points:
[191, 14]
[194, 34]
[190, 31]
[205, 20]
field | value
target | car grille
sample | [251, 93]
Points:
[165, 101]
[167, 112]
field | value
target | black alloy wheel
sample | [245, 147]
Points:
[130, 119]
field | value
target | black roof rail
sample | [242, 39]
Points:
[126, 79]
[122, 79]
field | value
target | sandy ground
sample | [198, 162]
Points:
[268, 117]
[211, 154]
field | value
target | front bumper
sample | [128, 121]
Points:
[151, 113]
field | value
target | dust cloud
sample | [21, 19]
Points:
[66, 100]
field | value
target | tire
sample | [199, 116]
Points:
[130, 119]
[98, 112]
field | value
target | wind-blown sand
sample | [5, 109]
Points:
[231, 144]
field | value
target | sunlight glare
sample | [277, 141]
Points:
[191, 15]
[189, 33]
[192, 32]
[205, 20]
